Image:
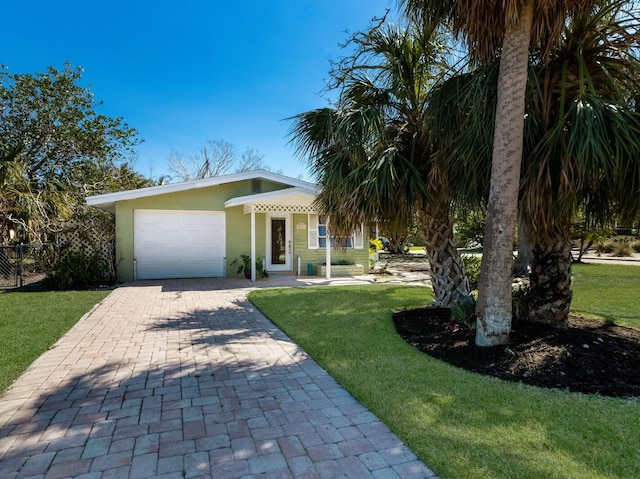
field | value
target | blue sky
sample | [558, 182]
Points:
[186, 72]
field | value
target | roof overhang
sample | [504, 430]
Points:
[291, 200]
[107, 201]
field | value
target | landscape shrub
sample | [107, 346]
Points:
[622, 239]
[605, 247]
[464, 311]
[471, 265]
[340, 262]
[79, 271]
[375, 245]
[520, 300]
[622, 249]
[469, 228]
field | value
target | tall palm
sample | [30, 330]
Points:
[582, 147]
[373, 153]
[507, 28]
[582, 142]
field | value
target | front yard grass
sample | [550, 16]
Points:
[461, 424]
[31, 322]
[607, 291]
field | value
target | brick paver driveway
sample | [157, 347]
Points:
[186, 378]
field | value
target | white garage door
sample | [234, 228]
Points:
[179, 244]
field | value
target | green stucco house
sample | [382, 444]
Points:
[197, 229]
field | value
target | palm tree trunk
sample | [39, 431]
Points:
[494, 292]
[549, 297]
[448, 278]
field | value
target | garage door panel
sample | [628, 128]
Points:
[190, 219]
[148, 252]
[169, 235]
[179, 244]
[192, 254]
[171, 219]
[197, 220]
[147, 236]
[211, 237]
[192, 269]
[153, 271]
[171, 254]
[193, 234]
[210, 254]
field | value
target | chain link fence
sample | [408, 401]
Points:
[24, 264]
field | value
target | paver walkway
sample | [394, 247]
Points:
[186, 378]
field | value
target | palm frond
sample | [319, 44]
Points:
[372, 153]
[482, 23]
[582, 147]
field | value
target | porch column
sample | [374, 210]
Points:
[328, 252]
[253, 244]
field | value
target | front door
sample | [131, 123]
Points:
[279, 247]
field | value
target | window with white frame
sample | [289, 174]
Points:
[318, 235]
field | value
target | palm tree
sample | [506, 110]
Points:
[582, 147]
[582, 143]
[373, 153]
[508, 29]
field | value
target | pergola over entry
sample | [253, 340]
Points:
[292, 200]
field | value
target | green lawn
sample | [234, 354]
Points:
[607, 291]
[462, 424]
[31, 322]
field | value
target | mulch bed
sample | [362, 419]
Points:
[588, 356]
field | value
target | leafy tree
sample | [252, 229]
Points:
[397, 234]
[508, 28]
[585, 234]
[373, 152]
[469, 225]
[51, 135]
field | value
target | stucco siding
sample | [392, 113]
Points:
[206, 199]
[239, 237]
[318, 256]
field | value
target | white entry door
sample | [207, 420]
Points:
[279, 245]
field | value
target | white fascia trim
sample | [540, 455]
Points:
[110, 198]
[310, 193]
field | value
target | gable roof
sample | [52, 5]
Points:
[107, 201]
[296, 199]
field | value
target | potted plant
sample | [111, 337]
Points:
[244, 265]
